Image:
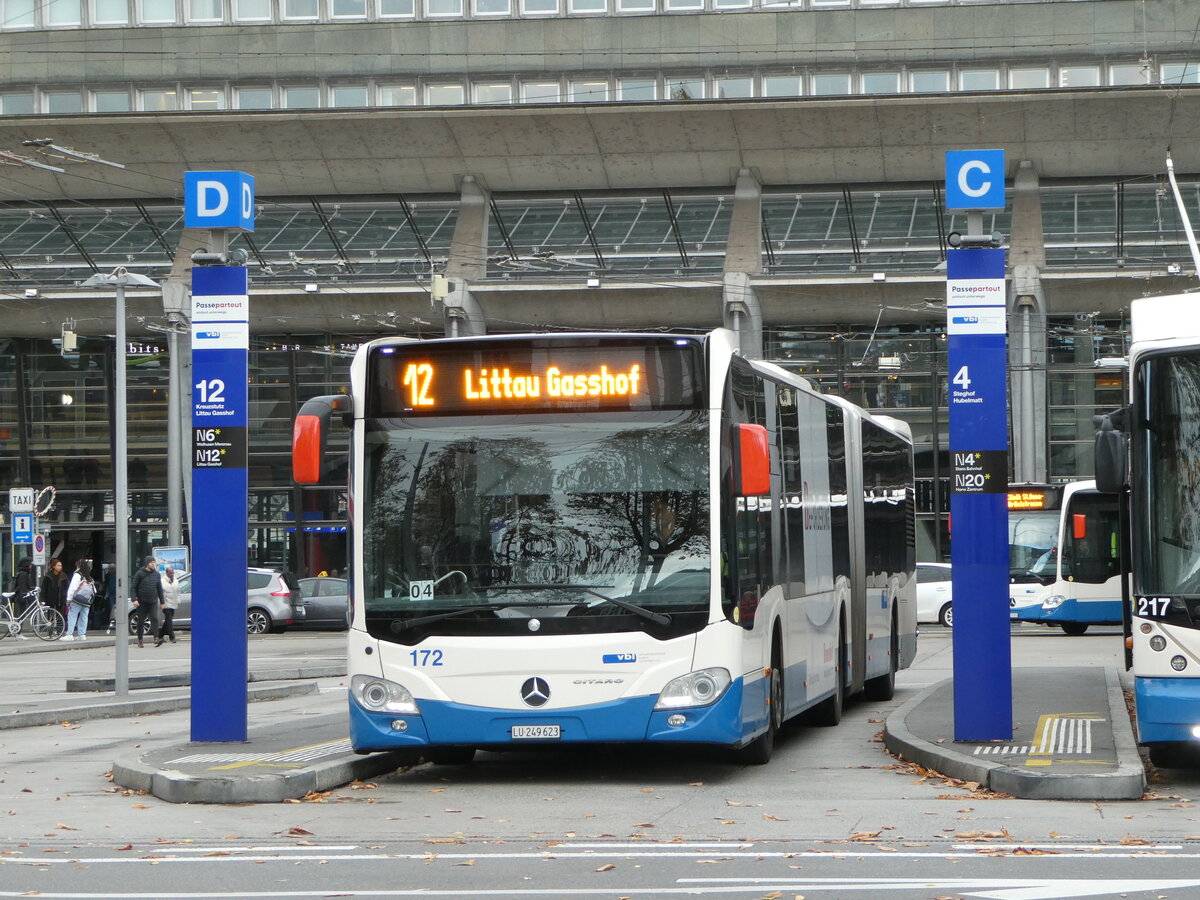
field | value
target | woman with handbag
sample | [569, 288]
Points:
[81, 592]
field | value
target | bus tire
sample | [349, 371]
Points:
[828, 712]
[451, 756]
[758, 752]
[883, 687]
[1074, 628]
[1172, 754]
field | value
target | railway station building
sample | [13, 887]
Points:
[433, 167]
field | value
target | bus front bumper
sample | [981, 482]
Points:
[630, 720]
[1167, 708]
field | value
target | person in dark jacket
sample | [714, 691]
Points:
[23, 585]
[102, 608]
[147, 593]
[54, 586]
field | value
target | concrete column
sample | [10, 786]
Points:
[462, 313]
[741, 311]
[1027, 330]
[177, 306]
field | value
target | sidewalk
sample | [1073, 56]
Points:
[274, 764]
[1072, 738]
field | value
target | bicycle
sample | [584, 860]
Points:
[48, 624]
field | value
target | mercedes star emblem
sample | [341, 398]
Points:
[535, 692]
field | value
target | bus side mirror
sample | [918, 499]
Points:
[1111, 464]
[1079, 526]
[752, 473]
[310, 436]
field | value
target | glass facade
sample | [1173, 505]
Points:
[56, 429]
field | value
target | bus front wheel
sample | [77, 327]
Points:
[758, 752]
[451, 756]
[1074, 628]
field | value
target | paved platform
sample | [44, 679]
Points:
[275, 764]
[1072, 738]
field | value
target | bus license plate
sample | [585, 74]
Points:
[536, 732]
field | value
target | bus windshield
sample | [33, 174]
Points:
[536, 523]
[1169, 527]
[1032, 545]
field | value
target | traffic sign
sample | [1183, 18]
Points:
[20, 500]
[974, 179]
[39, 549]
[22, 528]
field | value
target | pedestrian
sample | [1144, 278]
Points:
[146, 590]
[170, 603]
[110, 596]
[54, 586]
[23, 587]
[81, 593]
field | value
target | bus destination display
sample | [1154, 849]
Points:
[1034, 497]
[536, 376]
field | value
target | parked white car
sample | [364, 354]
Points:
[934, 594]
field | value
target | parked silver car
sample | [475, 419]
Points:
[270, 605]
[326, 603]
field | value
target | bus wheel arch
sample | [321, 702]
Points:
[759, 751]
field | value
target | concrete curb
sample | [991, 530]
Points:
[274, 786]
[1128, 782]
[10, 646]
[117, 709]
[183, 679]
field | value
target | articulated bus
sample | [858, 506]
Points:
[1064, 555]
[570, 538]
[1152, 447]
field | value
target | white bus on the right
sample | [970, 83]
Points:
[1158, 459]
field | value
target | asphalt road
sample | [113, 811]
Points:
[831, 816]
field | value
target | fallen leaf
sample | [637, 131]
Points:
[607, 867]
[297, 831]
[773, 818]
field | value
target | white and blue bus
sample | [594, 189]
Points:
[566, 538]
[1064, 555]
[1153, 448]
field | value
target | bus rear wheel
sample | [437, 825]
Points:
[1074, 628]
[828, 712]
[883, 687]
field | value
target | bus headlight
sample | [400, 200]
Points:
[1158, 642]
[1054, 601]
[381, 695]
[701, 688]
[1178, 663]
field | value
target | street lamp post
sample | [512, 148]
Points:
[120, 279]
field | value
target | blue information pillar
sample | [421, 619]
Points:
[978, 394]
[219, 527]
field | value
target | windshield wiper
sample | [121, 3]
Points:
[660, 619]
[399, 625]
